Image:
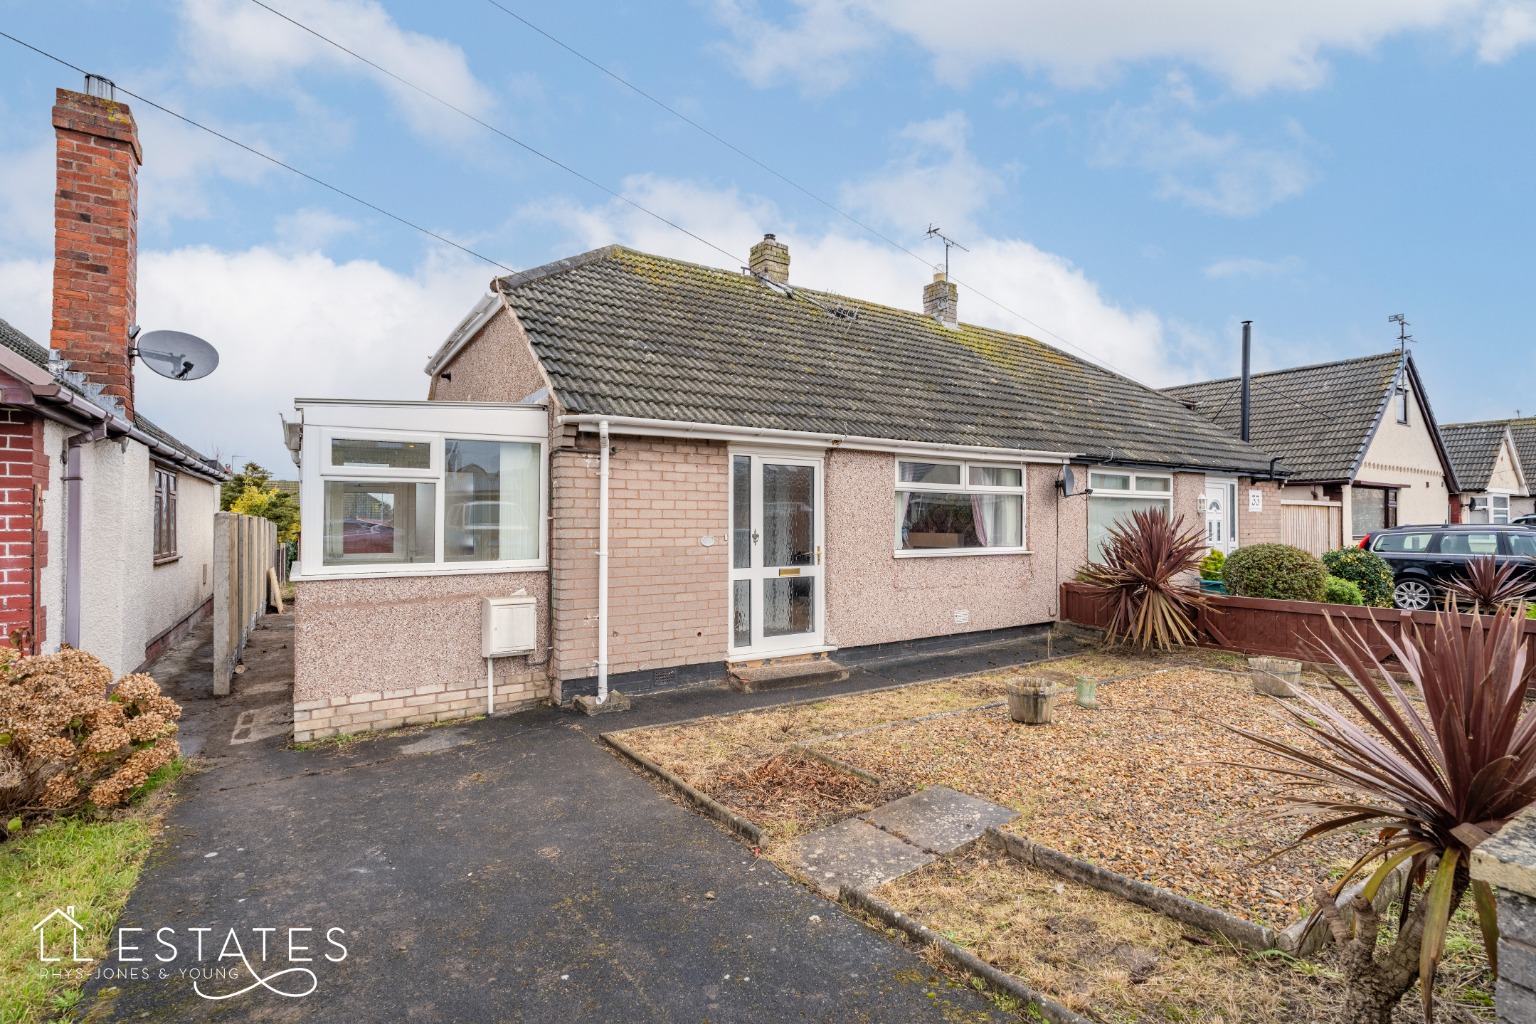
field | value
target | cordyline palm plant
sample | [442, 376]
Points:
[1145, 574]
[1485, 585]
[1437, 778]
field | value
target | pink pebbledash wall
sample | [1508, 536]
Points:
[874, 597]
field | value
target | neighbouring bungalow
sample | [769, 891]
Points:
[108, 519]
[638, 472]
[1491, 460]
[1359, 438]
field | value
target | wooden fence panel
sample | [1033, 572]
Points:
[1311, 526]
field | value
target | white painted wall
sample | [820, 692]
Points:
[126, 600]
[1403, 455]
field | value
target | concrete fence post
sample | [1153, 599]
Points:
[225, 630]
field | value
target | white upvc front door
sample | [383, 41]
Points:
[777, 592]
[1221, 514]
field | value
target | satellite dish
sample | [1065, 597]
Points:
[177, 355]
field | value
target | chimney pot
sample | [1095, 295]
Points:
[941, 300]
[770, 260]
[95, 219]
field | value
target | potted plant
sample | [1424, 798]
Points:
[1211, 567]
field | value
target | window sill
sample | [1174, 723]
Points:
[167, 559]
[374, 572]
[959, 552]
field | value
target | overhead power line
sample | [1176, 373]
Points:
[490, 127]
[784, 177]
[268, 157]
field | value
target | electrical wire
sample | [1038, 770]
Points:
[490, 127]
[788, 180]
[268, 157]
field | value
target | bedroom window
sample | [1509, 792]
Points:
[165, 515]
[947, 508]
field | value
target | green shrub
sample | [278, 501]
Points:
[1366, 570]
[1212, 564]
[1275, 570]
[1340, 591]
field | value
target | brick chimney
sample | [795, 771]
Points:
[941, 300]
[770, 259]
[96, 232]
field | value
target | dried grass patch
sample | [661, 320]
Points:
[1118, 963]
[791, 793]
[1135, 787]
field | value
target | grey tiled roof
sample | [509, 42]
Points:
[1522, 431]
[1474, 450]
[1317, 418]
[624, 333]
[16, 341]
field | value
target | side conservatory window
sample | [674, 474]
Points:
[425, 500]
[1116, 495]
[959, 506]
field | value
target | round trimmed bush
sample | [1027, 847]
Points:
[1339, 591]
[1366, 570]
[1275, 570]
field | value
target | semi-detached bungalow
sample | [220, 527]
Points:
[635, 471]
[1491, 460]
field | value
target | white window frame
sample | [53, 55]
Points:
[1494, 512]
[1135, 490]
[963, 487]
[419, 422]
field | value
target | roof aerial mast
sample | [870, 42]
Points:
[949, 243]
[1403, 337]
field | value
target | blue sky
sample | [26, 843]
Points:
[1132, 178]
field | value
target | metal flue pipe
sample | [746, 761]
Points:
[1247, 394]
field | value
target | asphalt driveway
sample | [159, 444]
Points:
[506, 870]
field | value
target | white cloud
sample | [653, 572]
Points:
[1045, 287]
[285, 326]
[236, 41]
[311, 229]
[937, 180]
[1221, 173]
[26, 199]
[1249, 266]
[1252, 46]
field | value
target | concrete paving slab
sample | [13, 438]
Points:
[856, 853]
[939, 819]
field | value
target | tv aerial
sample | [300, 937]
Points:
[174, 354]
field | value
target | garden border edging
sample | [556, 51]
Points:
[999, 979]
[708, 804]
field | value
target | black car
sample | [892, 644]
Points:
[1423, 558]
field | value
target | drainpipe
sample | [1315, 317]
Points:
[602, 565]
[74, 475]
[1247, 377]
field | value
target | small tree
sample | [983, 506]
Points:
[1366, 569]
[253, 475]
[271, 503]
[1436, 784]
[1144, 572]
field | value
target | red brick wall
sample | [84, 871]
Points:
[95, 255]
[23, 466]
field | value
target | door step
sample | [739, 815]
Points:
[779, 675]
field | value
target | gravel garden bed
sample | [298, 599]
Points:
[1135, 787]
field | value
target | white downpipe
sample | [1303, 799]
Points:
[490, 687]
[602, 564]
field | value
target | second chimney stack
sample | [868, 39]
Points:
[941, 300]
[770, 259]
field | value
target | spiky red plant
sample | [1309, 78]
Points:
[1437, 774]
[1145, 574]
[1486, 585]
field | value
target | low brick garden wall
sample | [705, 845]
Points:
[1281, 629]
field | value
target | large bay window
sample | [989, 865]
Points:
[449, 492]
[1118, 493]
[959, 507]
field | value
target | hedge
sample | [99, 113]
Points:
[1277, 571]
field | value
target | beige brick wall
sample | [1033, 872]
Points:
[1261, 527]
[415, 705]
[667, 591]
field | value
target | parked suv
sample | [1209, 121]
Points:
[1423, 558]
[1524, 521]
